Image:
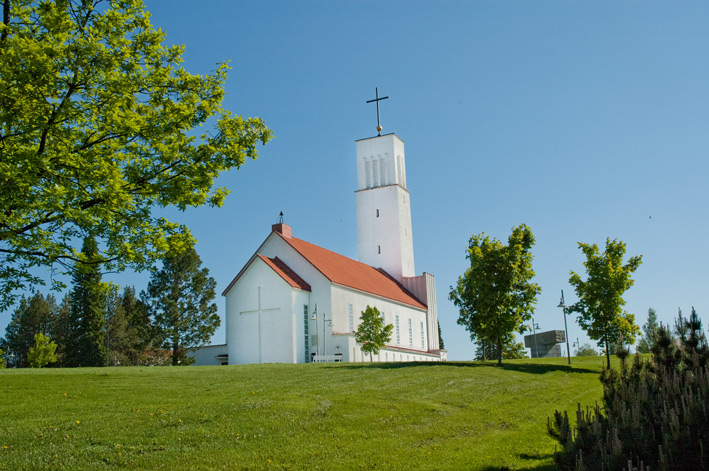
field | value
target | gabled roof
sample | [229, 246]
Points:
[351, 273]
[285, 272]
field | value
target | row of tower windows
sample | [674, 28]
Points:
[376, 171]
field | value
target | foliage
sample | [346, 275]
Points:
[511, 349]
[601, 295]
[495, 295]
[86, 343]
[132, 331]
[32, 316]
[422, 416]
[645, 344]
[2, 358]
[99, 127]
[42, 352]
[371, 334]
[654, 412]
[180, 301]
[441, 345]
[586, 350]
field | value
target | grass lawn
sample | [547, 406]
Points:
[454, 415]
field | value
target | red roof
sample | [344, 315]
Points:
[353, 274]
[285, 272]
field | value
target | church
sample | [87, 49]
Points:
[296, 302]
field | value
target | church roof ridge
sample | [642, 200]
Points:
[351, 273]
[285, 272]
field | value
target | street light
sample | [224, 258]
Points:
[535, 326]
[566, 330]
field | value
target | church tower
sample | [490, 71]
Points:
[384, 236]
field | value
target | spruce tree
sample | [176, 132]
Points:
[86, 344]
[34, 315]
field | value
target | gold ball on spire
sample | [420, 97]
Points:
[379, 128]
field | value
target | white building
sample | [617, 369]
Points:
[295, 302]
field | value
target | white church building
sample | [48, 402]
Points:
[296, 302]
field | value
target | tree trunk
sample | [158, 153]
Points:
[499, 351]
[608, 355]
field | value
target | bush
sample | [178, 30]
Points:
[654, 413]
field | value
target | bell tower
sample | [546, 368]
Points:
[384, 236]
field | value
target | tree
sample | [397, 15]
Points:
[179, 299]
[586, 350]
[601, 295]
[372, 334]
[98, 126]
[43, 351]
[692, 339]
[34, 315]
[495, 295]
[2, 359]
[86, 344]
[645, 344]
[511, 349]
[128, 328]
[441, 345]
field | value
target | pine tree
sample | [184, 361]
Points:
[86, 344]
[645, 344]
[34, 315]
[179, 298]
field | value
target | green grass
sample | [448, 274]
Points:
[436, 416]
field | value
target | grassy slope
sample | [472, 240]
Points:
[329, 416]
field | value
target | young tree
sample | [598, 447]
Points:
[441, 345]
[179, 299]
[495, 295]
[33, 315]
[43, 351]
[511, 349]
[372, 334]
[86, 345]
[645, 344]
[601, 295]
[98, 126]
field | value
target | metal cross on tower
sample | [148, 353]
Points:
[377, 100]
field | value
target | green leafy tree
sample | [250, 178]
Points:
[99, 126]
[86, 343]
[645, 344]
[180, 301]
[586, 350]
[32, 316]
[511, 349]
[600, 304]
[371, 334]
[42, 352]
[495, 295]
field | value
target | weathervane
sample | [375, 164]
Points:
[280, 218]
[377, 100]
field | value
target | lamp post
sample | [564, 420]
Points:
[535, 326]
[315, 318]
[566, 330]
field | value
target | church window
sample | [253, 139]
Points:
[306, 319]
[411, 335]
[368, 172]
[379, 249]
[351, 314]
[375, 174]
[377, 213]
[383, 171]
[422, 345]
[396, 327]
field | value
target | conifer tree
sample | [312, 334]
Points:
[180, 301]
[649, 327]
[86, 343]
[34, 315]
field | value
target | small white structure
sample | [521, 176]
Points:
[296, 302]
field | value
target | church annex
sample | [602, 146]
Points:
[296, 302]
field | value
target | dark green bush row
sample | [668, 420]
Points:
[655, 413]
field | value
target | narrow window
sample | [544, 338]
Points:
[377, 213]
[375, 173]
[411, 335]
[422, 337]
[306, 321]
[396, 327]
[351, 314]
[368, 172]
[379, 249]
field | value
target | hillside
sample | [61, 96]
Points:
[454, 415]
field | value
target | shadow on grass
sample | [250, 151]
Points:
[532, 368]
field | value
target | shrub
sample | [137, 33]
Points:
[654, 414]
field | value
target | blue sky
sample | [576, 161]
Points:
[584, 120]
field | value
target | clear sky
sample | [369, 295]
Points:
[583, 119]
